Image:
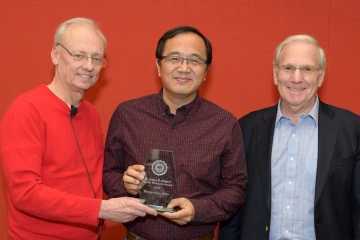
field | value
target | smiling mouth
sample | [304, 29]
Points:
[84, 76]
[182, 79]
[296, 89]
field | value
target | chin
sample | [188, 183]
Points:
[293, 101]
[84, 87]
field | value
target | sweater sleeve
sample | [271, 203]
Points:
[22, 147]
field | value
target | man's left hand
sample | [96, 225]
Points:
[182, 216]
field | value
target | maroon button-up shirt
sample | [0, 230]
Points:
[209, 160]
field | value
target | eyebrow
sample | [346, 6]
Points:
[85, 53]
[179, 53]
[293, 65]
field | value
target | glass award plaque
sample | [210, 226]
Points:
[158, 186]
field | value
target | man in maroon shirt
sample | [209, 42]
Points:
[206, 140]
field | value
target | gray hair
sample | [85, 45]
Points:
[65, 25]
[304, 38]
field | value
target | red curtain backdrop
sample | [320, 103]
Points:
[244, 35]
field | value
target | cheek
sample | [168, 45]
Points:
[280, 83]
[275, 76]
[97, 72]
[166, 72]
[200, 74]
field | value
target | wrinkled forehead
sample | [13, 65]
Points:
[83, 35]
[299, 51]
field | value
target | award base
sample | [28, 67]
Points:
[160, 208]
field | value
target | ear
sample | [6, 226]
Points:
[55, 55]
[206, 72]
[321, 78]
[207, 69]
[275, 73]
[158, 67]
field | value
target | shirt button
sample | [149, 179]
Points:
[293, 135]
[291, 158]
[287, 232]
[173, 127]
[290, 182]
[288, 207]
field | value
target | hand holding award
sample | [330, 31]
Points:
[158, 186]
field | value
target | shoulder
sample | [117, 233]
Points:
[35, 95]
[27, 102]
[258, 116]
[143, 101]
[135, 109]
[338, 114]
[211, 109]
[24, 114]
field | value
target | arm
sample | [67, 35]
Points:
[114, 160]
[230, 229]
[124, 209]
[356, 196]
[233, 178]
[22, 143]
[116, 181]
[228, 197]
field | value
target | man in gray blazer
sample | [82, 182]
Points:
[303, 158]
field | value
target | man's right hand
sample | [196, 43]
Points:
[133, 177]
[124, 209]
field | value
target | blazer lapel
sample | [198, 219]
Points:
[265, 133]
[328, 130]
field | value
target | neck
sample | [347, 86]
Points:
[175, 101]
[294, 112]
[67, 95]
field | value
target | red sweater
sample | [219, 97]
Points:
[48, 188]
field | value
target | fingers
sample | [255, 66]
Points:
[124, 209]
[133, 177]
[177, 202]
[179, 217]
[144, 181]
[184, 215]
[133, 174]
[150, 211]
[140, 208]
[132, 189]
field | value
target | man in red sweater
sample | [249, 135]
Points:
[51, 147]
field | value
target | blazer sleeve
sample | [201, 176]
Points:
[356, 196]
[230, 229]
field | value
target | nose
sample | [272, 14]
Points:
[297, 75]
[183, 60]
[184, 66]
[87, 64]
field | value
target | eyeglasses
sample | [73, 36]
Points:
[305, 71]
[98, 61]
[177, 60]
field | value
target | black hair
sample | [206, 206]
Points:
[179, 30]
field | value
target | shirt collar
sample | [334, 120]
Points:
[314, 112]
[189, 109]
